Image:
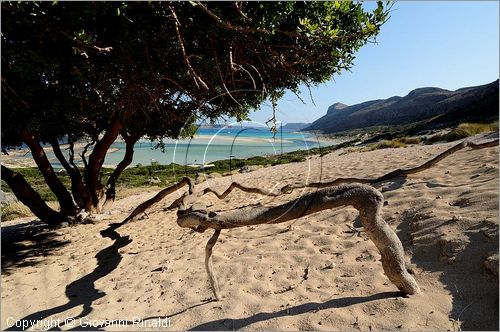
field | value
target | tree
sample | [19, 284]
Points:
[95, 71]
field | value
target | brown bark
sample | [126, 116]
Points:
[367, 200]
[396, 173]
[96, 159]
[31, 198]
[158, 197]
[127, 160]
[80, 193]
[62, 194]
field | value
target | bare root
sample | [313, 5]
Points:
[159, 196]
[208, 264]
[366, 199]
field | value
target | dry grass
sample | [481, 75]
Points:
[464, 130]
[15, 210]
[400, 142]
[19, 210]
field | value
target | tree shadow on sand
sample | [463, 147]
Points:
[239, 323]
[474, 291]
[24, 244]
[83, 291]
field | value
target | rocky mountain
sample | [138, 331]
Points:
[431, 106]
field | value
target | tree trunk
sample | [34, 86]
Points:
[80, 193]
[31, 198]
[62, 194]
[127, 160]
[96, 159]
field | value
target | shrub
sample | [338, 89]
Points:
[385, 144]
[464, 130]
[409, 140]
[15, 210]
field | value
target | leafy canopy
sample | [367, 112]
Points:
[70, 68]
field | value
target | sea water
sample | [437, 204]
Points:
[208, 145]
[211, 144]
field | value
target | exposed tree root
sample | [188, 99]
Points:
[366, 199]
[158, 197]
[242, 187]
[393, 174]
[208, 263]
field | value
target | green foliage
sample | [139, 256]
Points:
[159, 65]
[399, 142]
[78, 70]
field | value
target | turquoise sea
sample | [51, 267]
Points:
[210, 144]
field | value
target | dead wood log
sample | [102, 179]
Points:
[366, 199]
[159, 196]
[290, 187]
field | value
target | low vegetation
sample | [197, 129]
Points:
[464, 130]
[15, 210]
[400, 142]
[461, 131]
[155, 175]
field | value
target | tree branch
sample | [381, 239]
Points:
[45, 167]
[238, 185]
[60, 156]
[177, 24]
[208, 264]
[130, 141]
[367, 200]
[159, 196]
[80, 193]
[96, 158]
[29, 197]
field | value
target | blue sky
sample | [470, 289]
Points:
[446, 44]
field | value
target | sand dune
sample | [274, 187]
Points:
[315, 273]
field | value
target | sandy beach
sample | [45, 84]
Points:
[319, 272]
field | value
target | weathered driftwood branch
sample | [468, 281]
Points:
[290, 187]
[241, 187]
[366, 199]
[413, 170]
[351, 191]
[161, 195]
[208, 264]
[393, 174]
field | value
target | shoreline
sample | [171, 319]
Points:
[21, 158]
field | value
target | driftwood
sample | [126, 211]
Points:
[159, 196]
[366, 199]
[340, 192]
[208, 263]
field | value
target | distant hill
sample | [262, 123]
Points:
[296, 126]
[430, 107]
